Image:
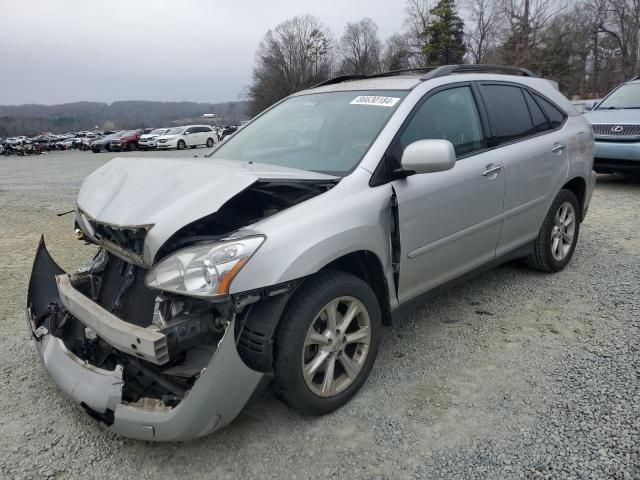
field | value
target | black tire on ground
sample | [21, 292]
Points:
[192, 146]
[181, 145]
[542, 257]
[132, 146]
[96, 150]
[302, 310]
[209, 142]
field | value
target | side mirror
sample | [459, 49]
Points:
[428, 156]
[590, 105]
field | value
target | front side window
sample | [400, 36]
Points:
[450, 115]
[175, 131]
[627, 96]
[322, 132]
[508, 112]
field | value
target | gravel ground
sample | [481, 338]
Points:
[515, 374]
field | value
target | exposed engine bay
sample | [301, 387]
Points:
[193, 327]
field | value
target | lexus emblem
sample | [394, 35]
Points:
[617, 129]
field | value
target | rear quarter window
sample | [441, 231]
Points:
[554, 114]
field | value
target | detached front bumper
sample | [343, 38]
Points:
[216, 398]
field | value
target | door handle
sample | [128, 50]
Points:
[491, 170]
[558, 148]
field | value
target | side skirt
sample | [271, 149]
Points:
[408, 307]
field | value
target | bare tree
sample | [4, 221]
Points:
[417, 20]
[293, 56]
[526, 19]
[360, 48]
[485, 17]
[396, 54]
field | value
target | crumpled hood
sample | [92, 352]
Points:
[630, 116]
[169, 193]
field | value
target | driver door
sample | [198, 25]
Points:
[449, 222]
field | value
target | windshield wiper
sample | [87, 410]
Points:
[609, 108]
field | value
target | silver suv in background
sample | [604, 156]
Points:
[616, 129]
[280, 255]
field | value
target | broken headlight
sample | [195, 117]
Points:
[203, 270]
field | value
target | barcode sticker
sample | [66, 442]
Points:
[375, 100]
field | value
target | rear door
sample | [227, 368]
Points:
[535, 159]
[449, 222]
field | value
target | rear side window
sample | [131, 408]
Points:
[508, 112]
[450, 114]
[555, 115]
[540, 122]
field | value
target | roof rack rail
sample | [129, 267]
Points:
[477, 68]
[339, 79]
[390, 73]
[635, 78]
[435, 72]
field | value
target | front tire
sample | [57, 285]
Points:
[326, 343]
[209, 142]
[181, 145]
[132, 147]
[558, 236]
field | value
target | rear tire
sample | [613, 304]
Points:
[306, 338]
[558, 236]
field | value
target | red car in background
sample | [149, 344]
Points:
[128, 140]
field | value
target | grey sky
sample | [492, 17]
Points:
[56, 51]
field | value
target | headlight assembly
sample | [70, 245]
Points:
[204, 270]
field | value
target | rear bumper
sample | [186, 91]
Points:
[216, 398]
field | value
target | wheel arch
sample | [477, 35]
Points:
[366, 265]
[578, 186]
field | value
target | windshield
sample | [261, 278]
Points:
[627, 96]
[322, 132]
[175, 131]
[157, 131]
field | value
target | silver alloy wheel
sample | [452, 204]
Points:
[564, 229]
[336, 346]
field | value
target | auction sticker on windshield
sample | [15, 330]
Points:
[375, 100]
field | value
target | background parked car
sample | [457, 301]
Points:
[228, 131]
[616, 128]
[150, 140]
[190, 136]
[104, 143]
[126, 141]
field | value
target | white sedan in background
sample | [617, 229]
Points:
[189, 136]
[150, 140]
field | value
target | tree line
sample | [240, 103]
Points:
[35, 119]
[587, 46]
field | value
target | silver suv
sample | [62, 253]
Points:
[616, 126]
[278, 258]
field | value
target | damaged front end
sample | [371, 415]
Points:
[150, 365]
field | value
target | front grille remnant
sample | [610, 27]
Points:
[131, 239]
[616, 130]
